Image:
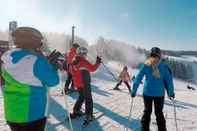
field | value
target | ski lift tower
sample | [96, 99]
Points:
[73, 36]
[12, 28]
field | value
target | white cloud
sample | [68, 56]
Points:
[23, 11]
[30, 13]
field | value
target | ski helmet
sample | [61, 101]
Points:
[75, 45]
[27, 37]
[155, 51]
[81, 51]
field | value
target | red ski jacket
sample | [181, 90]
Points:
[70, 55]
[81, 64]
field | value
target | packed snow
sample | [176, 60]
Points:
[112, 107]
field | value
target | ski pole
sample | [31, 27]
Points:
[66, 106]
[130, 112]
[166, 112]
[47, 110]
[109, 71]
[175, 118]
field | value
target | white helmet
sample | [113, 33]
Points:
[81, 51]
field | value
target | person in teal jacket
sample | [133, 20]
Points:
[157, 79]
[27, 75]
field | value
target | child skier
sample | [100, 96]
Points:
[27, 75]
[158, 78]
[81, 69]
[124, 77]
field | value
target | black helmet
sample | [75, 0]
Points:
[75, 45]
[81, 51]
[155, 51]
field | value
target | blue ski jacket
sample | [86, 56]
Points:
[154, 86]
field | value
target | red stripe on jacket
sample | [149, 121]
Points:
[71, 54]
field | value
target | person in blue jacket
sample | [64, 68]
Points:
[157, 79]
[27, 76]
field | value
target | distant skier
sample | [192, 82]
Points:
[124, 77]
[69, 58]
[80, 70]
[27, 74]
[157, 76]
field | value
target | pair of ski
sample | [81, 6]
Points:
[87, 123]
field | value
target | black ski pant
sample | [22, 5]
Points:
[85, 94]
[126, 83]
[158, 106]
[38, 125]
[68, 81]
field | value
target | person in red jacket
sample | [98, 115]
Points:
[69, 58]
[81, 69]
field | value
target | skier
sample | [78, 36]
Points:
[124, 77]
[69, 58]
[80, 70]
[157, 76]
[27, 74]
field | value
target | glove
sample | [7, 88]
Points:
[53, 59]
[171, 96]
[98, 60]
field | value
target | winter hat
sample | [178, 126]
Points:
[125, 68]
[27, 38]
[81, 51]
[155, 51]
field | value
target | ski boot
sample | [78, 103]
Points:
[65, 90]
[88, 120]
[72, 90]
[76, 114]
[116, 88]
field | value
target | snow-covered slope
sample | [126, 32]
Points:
[116, 105]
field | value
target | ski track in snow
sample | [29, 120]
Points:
[115, 105]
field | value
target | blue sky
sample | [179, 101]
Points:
[169, 24]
